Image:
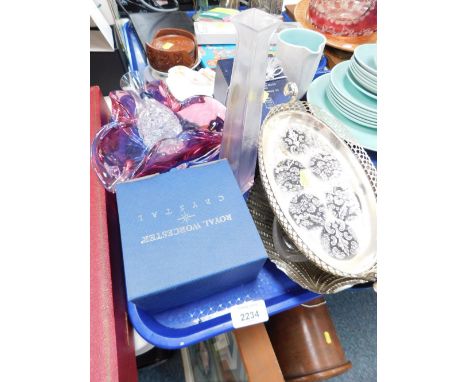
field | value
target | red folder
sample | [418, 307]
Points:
[112, 351]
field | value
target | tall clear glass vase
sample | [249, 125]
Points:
[244, 102]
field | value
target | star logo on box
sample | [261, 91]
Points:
[185, 217]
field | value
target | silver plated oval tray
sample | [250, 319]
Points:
[322, 189]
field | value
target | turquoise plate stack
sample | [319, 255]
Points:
[349, 93]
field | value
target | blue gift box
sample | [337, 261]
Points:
[186, 234]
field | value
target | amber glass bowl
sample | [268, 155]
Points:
[171, 47]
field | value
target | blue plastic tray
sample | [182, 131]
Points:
[195, 322]
[198, 321]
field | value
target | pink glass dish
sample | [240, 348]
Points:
[344, 17]
[119, 152]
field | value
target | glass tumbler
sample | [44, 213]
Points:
[233, 4]
[273, 7]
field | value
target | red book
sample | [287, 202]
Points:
[112, 351]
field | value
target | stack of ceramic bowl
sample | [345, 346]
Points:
[363, 69]
[349, 93]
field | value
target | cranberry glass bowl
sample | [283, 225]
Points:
[344, 17]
